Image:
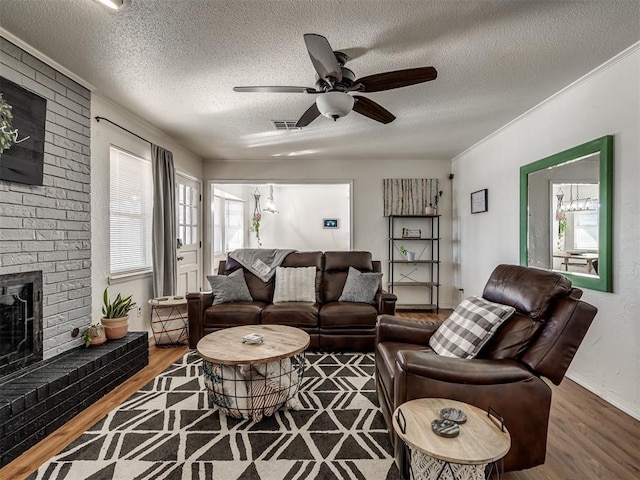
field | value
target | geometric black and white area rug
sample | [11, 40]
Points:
[167, 431]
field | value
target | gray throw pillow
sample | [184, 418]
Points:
[229, 288]
[360, 287]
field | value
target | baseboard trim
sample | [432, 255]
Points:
[602, 393]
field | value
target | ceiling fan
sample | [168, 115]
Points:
[334, 82]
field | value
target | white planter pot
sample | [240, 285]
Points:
[411, 256]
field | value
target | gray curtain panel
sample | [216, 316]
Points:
[164, 222]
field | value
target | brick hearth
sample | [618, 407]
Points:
[35, 404]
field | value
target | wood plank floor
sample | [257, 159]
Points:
[588, 438]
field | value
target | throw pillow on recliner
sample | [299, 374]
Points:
[360, 287]
[469, 328]
[229, 288]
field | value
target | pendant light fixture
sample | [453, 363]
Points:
[271, 206]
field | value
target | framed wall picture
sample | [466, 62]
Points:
[330, 223]
[480, 201]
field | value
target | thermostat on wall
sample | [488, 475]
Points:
[330, 223]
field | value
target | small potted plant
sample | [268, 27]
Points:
[432, 208]
[116, 315]
[94, 335]
[410, 256]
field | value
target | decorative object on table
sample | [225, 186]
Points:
[169, 322]
[257, 216]
[453, 414]
[409, 196]
[116, 315]
[445, 428]
[253, 338]
[94, 335]
[480, 201]
[407, 233]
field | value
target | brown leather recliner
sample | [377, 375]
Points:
[540, 340]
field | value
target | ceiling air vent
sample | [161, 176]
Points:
[285, 124]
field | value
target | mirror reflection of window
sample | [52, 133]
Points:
[585, 225]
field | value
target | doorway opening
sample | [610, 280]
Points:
[313, 216]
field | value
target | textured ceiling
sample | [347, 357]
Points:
[175, 63]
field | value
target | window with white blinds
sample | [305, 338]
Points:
[130, 213]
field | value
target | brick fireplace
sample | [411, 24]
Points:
[20, 321]
[48, 228]
[46, 376]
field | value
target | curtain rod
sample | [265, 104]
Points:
[122, 128]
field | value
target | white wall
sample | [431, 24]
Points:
[103, 135]
[605, 102]
[299, 223]
[369, 225]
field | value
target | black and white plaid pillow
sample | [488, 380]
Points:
[469, 328]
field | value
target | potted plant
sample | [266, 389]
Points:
[255, 227]
[410, 256]
[432, 208]
[116, 315]
[94, 335]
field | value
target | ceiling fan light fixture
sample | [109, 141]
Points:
[334, 104]
[113, 4]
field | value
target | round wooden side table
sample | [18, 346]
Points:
[253, 380]
[473, 455]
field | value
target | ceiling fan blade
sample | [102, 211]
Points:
[397, 79]
[371, 109]
[276, 89]
[322, 57]
[309, 116]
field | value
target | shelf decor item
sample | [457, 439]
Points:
[406, 233]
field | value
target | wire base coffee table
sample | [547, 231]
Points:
[475, 454]
[253, 380]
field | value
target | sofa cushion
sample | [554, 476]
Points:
[512, 338]
[260, 291]
[232, 314]
[347, 315]
[308, 259]
[229, 288]
[360, 287]
[469, 328]
[295, 284]
[531, 291]
[294, 314]
[336, 268]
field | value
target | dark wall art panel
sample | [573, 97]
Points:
[22, 122]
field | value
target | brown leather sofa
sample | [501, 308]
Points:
[540, 340]
[332, 325]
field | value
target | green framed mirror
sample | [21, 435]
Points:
[566, 204]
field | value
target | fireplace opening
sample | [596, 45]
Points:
[20, 321]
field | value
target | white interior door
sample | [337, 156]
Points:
[189, 200]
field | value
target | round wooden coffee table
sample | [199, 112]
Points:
[253, 380]
[482, 440]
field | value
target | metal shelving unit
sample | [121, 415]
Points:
[427, 263]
